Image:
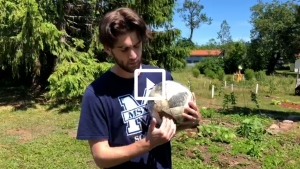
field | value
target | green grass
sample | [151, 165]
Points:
[278, 87]
[39, 139]
[34, 137]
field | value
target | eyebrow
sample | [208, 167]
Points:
[126, 46]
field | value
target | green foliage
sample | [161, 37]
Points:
[58, 41]
[229, 99]
[272, 87]
[185, 43]
[275, 102]
[193, 16]
[252, 128]
[213, 64]
[260, 75]
[255, 100]
[273, 24]
[210, 74]
[226, 100]
[212, 44]
[234, 56]
[190, 85]
[249, 74]
[217, 133]
[162, 50]
[220, 74]
[75, 71]
[224, 34]
[195, 72]
[24, 36]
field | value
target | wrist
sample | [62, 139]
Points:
[145, 144]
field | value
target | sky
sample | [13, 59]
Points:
[236, 12]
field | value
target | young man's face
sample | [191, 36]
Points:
[127, 52]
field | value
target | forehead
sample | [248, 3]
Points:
[127, 40]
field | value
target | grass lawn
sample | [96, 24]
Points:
[33, 136]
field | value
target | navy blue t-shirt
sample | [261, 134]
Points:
[110, 111]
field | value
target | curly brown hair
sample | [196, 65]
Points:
[121, 21]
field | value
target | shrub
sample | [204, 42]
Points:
[195, 72]
[249, 74]
[221, 74]
[209, 73]
[213, 64]
[260, 75]
[229, 79]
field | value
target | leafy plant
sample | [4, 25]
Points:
[251, 128]
[255, 100]
[229, 99]
[226, 100]
[217, 133]
[195, 72]
[272, 87]
[249, 74]
[213, 64]
[210, 74]
[233, 98]
[260, 75]
[220, 74]
[275, 102]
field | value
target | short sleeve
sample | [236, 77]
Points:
[169, 76]
[93, 121]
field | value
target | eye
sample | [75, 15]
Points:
[124, 49]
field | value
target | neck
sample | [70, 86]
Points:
[122, 73]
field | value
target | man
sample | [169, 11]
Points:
[120, 132]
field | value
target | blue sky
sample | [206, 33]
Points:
[235, 12]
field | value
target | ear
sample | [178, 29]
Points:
[107, 50]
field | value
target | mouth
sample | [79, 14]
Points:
[133, 63]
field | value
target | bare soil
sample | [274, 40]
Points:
[225, 159]
[289, 105]
[27, 134]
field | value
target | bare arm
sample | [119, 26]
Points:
[106, 156]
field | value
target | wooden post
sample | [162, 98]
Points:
[256, 90]
[212, 91]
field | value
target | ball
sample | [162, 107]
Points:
[177, 97]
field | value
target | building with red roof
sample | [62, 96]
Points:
[198, 55]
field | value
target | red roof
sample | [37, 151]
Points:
[205, 52]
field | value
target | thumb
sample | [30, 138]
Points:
[193, 97]
[153, 124]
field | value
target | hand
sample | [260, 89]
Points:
[161, 135]
[191, 114]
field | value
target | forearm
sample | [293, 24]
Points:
[113, 156]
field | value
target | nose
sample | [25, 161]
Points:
[132, 54]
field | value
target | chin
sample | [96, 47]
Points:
[132, 69]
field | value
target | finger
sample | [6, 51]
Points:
[168, 125]
[193, 106]
[153, 124]
[188, 117]
[171, 129]
[190, 111]
[194, 97]
[174, 130]
[163, 123]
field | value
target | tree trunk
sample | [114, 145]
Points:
[191, 35]
[272, 62]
